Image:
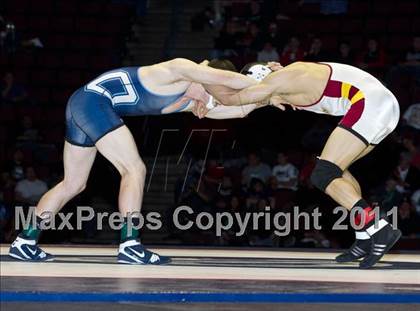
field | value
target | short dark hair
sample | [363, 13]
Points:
[245, 69]
[223, 64]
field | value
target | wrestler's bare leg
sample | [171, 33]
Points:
[350, 178]
[342, 149]
[77, 165]
[120, 149]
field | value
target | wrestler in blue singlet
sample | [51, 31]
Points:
[96, 109]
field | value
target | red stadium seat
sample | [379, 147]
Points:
[7, 114]
[38, 23]
[239, 9]
[376, 25]
[114, 9]
[25, 60]
[20, 21]
[60, 96]
[70, 78]
[381, 7]
[356, 42]
[112, 26]
[353, 25]
[103, 42]
[407, 7]
[57, 42]
[397, 25]
[329, 42]
[87, 25]
[49, 59]
[101, 62]
[43, 7]
[43, 77]
[415, 25]
[310, 8]
[399, 43]
[92, 8]
[34, 112]
[359, 8]
[41, 94]
[63, 24]
[55, 115]
[81, 42]
[74, 60]
[326, 25]
[66, 7]
[21, 76]
[12, 6]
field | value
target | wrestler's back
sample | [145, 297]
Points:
[129, 95]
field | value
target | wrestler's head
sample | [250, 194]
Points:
[223, 64]
[257, 70]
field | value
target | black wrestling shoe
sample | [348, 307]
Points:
[359, 249]
[383, 239]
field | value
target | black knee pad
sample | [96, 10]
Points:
[324, 173]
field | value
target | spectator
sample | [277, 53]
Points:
[255, 169]
[412, 57]
[261, 236]
[226, 43]
[285, 173]
[8, 36]
[254, 14]
[407, 176]
[252, 38]
[306, 171]
[291, 52]
[273, 35]
[268, 53]
[314, 238]
[408, 219]
[229, 236]
[413, 150]
[389, 196]
[411, 116]
[410, 66]
[415, 200]
[201, 19]
[16, 166]
[255, 194]
[30, 189]
[226, 187]
[373, 58]
[344, 54]
[316, 53]
[28, 132]
[11, 91]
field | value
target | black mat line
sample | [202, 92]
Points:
[298, 263]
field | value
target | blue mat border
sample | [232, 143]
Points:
[7, 296]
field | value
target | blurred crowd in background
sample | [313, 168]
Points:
[275, 151]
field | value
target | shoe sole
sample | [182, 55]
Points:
[14, 256]
[352, 260]
[141, 263]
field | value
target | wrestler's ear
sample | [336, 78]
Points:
[274, 66]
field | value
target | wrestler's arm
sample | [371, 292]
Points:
[230, 112]
[253, 94]
[279, 82]
[190, 71]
